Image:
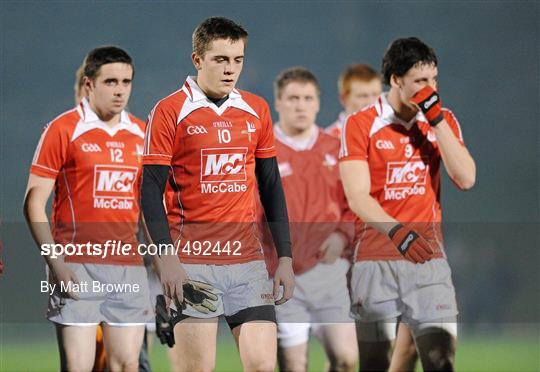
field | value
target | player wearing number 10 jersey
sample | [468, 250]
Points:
[207, 147]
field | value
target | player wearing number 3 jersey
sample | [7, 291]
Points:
[208, 145]
[390, 160]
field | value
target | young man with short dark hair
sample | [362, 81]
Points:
[390, 161]
[90, 156]
[208, 145]
[320, 233]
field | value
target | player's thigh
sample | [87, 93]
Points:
[123, 345]
[77, 346]
[404, 355]
[336, 339]
[195, 344]
[375, 341]
[257, 343]
[436, 343]
[293, 358]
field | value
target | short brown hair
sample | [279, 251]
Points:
[215, 28]
[294, 74]
[102, 56]
[356, 72]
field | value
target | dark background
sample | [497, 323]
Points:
[488, 74]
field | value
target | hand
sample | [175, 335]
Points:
[428, 101]
[410, 244]
[61, 273]
[284, 276]
[332, 248]
[200, 296]
[173, 276]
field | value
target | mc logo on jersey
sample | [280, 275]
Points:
[405, 178]
[114, 182]
[223, 164]
[406, 172]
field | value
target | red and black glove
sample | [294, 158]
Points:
[429, 102]
[410, 244]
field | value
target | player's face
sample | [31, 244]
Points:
[298, 105]
[109, 93]
[361, 94]
[415, 79]
[220, 68]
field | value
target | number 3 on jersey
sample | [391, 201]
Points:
[224, 135]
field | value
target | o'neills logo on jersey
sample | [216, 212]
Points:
[113, 186]
[223, 170]
[405, 178]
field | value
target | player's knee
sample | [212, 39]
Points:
[345, 360]
[128, 365]
[261, 365]
[77, 365]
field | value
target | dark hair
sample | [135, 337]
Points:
[102, 56]
[215, 28]
[356, 72]
[299, 74]
[403, 54]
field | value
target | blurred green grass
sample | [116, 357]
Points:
[473, 355]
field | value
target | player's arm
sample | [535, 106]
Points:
[275, 208]
[457, 160]
[38, 191]
[357, 185]
[172, 273]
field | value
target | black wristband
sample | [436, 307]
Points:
[437, 120]
[394, 230]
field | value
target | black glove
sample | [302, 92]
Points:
[165, 322]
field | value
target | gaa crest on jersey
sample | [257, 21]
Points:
[405, 178]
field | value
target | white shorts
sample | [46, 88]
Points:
[421, 294]
[320, 297]
[114, 294]
[238, 286]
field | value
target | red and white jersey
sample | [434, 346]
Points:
[97, 171]
[316, 203]
[404, 166]
[336, 127]
[211, 150]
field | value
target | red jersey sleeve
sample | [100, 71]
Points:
[51, 151]
[454, 124]
[160, 132]
[354, 139]
[266, 146]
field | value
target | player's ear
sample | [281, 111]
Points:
[87, 82]
[395, 81]
[196, 59]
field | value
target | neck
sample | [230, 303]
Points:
[295, 133]
[110, 119]
[402, 111]
[206, 90]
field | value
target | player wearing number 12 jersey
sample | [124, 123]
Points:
[207, 147]
[390, 159]
[91, 157]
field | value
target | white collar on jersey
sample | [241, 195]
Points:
[297, 145]
[197, 99]
[387, 115]
[90, 120]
